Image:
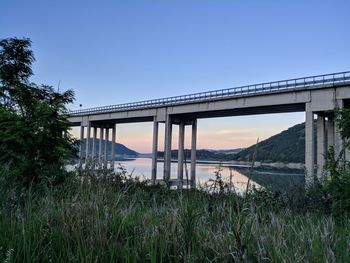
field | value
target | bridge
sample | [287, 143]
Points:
[317, 96]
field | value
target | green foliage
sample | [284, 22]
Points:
[16, 59]
[336, 185]
[117, 219]
[343, 122]
[34, 139]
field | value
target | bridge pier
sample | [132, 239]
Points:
[309, 146]
[170, 120]
[87, 143]
[93, 153]
[101, 156]
[193, 153]
[154, 150]
[105, 158]
[338, 142]
[100, 146]
[181, 148]
[113, 146]
[81, 146]
[321, 144]
[330, 131]
[326, 134]
[167, 148]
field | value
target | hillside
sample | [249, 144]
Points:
[120, 149]
[287, 146]
[208, 155]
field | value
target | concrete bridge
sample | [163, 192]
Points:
[315, 95]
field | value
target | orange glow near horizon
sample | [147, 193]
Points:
[219, 133]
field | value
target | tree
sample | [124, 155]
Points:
[34, 138]
[337, 181]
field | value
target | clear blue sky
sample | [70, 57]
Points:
[112, 52]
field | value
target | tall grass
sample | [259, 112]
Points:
[111, 218]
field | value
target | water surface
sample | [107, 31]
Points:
[283, 179]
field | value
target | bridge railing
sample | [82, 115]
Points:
[262, 88]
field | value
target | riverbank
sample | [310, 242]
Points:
[116, 219]
[245, 164]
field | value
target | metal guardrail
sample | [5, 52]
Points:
[262, 88]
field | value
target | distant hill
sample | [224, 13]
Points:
[236, 150]
[208, 155]
[287, 146]
[120, 149]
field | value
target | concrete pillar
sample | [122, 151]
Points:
[93, 153]
[81, 146]
[100, 145]
[106, 147]
[154, 150]
[113, 146]
[309, 146]
[167, 150]
[330, 132]
[193, 154]
[321, 144]
[87, 146]
[338, 142]
[181, 148]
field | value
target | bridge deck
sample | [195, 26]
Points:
[297, 84]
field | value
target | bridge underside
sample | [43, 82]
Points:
[299, 107]
[315, 102]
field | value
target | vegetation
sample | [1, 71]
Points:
[96, 215]
[34, 142]
[111, 218]
[287, 146]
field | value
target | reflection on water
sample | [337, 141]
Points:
[279, 179]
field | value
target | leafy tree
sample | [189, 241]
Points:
[343, 122]
[34, 138]
[337, 183]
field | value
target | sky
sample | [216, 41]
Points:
[112, 52]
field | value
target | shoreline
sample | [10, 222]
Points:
[242, 163]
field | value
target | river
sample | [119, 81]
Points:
[283, 179]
